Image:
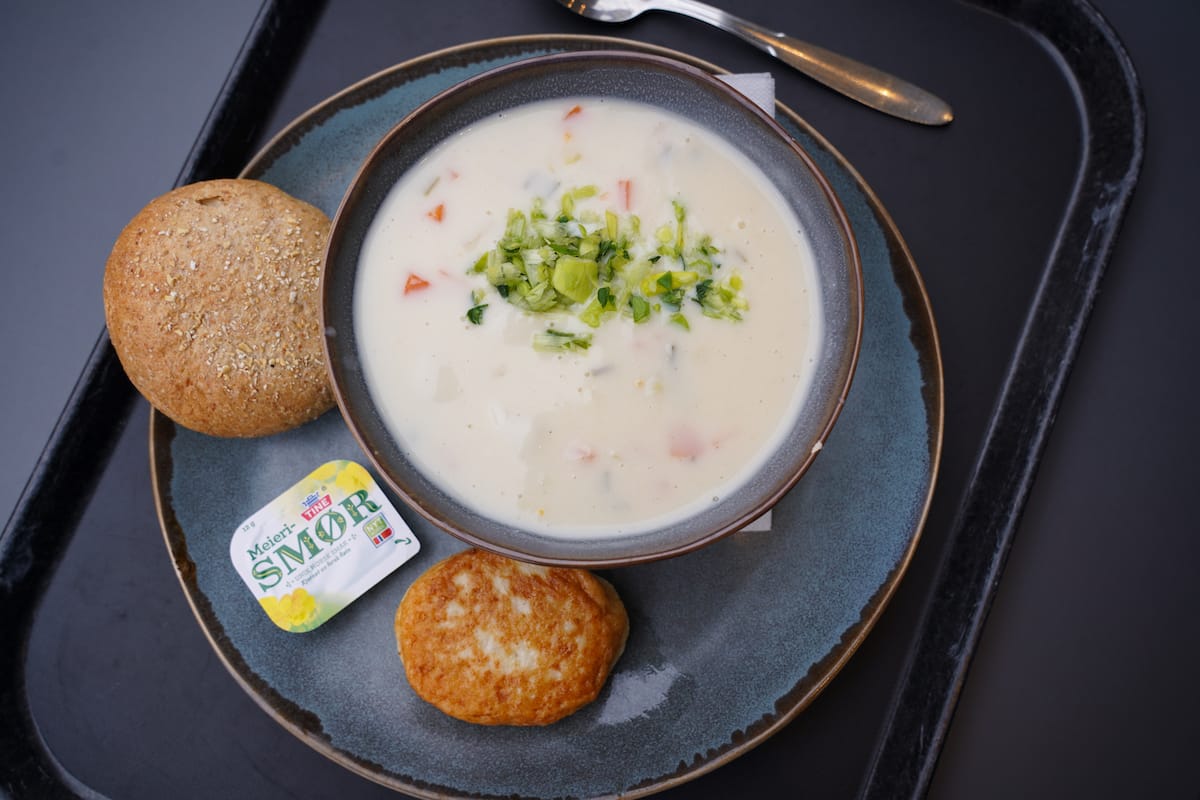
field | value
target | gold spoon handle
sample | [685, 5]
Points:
[866, 84]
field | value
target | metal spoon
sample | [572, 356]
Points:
[867, 85]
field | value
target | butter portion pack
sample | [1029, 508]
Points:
[321, 544]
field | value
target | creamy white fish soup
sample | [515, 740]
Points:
[587, 317]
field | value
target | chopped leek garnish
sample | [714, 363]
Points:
[551, 340]
[721, 300]
[575, 277]
[475, 313]
[641, 309]
[599, 265]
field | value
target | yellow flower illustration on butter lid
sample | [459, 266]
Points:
[319, 545]
[292, 612]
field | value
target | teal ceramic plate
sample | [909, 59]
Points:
[706, 674]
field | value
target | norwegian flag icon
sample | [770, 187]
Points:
[378, 530]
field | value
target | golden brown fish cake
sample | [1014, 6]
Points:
[495, 641]
[212, 299]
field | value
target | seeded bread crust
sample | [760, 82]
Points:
[494, 641]
[212, 298]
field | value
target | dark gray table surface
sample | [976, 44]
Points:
[1083, 684]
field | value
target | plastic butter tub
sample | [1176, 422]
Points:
[321, 544]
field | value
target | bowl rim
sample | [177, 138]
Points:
[855, 293]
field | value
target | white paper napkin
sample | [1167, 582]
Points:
[758, 86]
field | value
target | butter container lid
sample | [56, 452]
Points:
[321, 544]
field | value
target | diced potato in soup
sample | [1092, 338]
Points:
[662, 409]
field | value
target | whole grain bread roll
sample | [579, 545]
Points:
[212, 298]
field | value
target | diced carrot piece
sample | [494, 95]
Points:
[415, 283]
[683, 442]
[580, 452]
[626, 187]
[575, 110]
[437, 213]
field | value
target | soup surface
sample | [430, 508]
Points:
[629, 402]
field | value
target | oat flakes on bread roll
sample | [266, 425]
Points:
[212, 298]
[494, 641]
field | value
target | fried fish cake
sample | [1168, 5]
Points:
[495, 641]
[212, 299]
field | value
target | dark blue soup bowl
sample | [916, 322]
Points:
[674, 87]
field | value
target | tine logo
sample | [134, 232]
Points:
[314, 504]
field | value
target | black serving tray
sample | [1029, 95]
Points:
[1047, 141]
